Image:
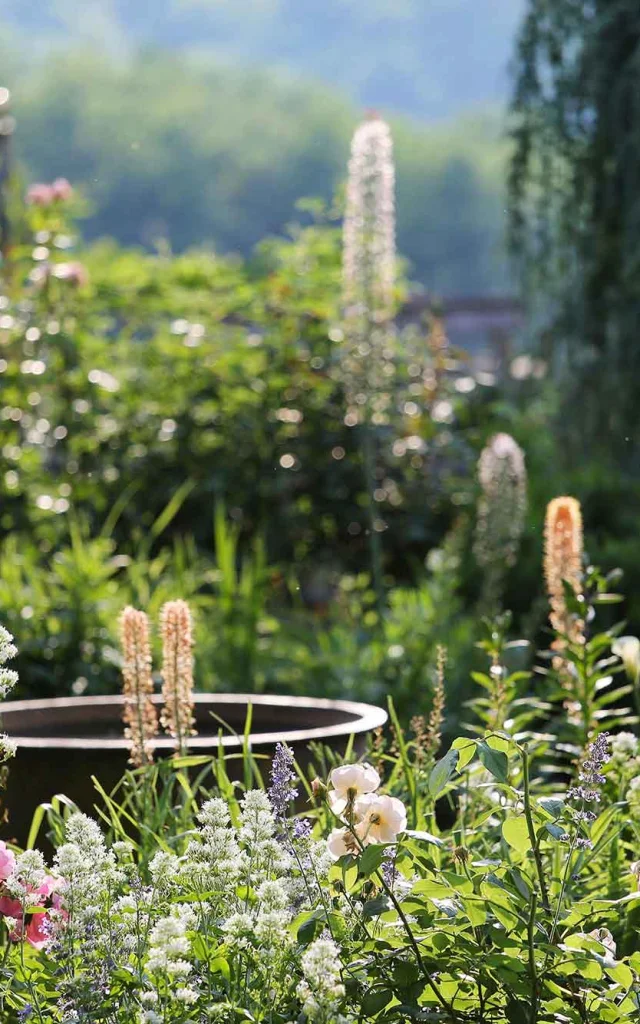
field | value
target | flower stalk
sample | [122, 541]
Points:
[177, 718]
[139, 714]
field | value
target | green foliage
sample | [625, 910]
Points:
[505, 913]
[177, 426]
[574, 207]
[205, 154]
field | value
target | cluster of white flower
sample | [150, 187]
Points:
[8, 650]
[213, 858]
[8, 679]
[624, 745]
[244, 882]
[370, 817]
[321, 991]
[267, 857]
[169, 944]
[87, 868]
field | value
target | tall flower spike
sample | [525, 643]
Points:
[368, 257]
[177, 672]
[501, 511]
[139, 714]
[369, 223]
[563, 548]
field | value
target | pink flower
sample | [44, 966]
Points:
[10, 908]
[13, 909]
[7, 861]
[39, 930]
[47, 888]
[62, 189]
[40, 195]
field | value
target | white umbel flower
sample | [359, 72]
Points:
[169, 942]
[321, 992]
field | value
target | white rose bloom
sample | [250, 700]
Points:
[340, 843]
[627, 649]
[349, 782]
[604, 936]
[382, 818]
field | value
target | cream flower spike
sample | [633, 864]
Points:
[382, 818]
[349, 782]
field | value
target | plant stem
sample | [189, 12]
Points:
[532, 958]
[375, 545]
[416, 949]
[535, 846]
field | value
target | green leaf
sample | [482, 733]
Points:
[466, 751]
[516, 834]
[621, 974]
[373, 908]
[424, 837]
[375, 1000]
[312, 927]
[555, 830]
[442, 772]
[554, 808]
[371, 859]
[494, 761]
[517, 1012]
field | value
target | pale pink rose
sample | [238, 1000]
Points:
[348, 783]
[340, 843]
[381, 818]
[40, 195]
[7, 861]
[62, 189]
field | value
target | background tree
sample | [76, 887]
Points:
[575, 207]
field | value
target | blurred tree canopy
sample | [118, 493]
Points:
[430, 60]
[169, 147]
[575, 207]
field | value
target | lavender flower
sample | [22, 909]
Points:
[281, 791]
[591, 778]
[302, 828]
[389, 870]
